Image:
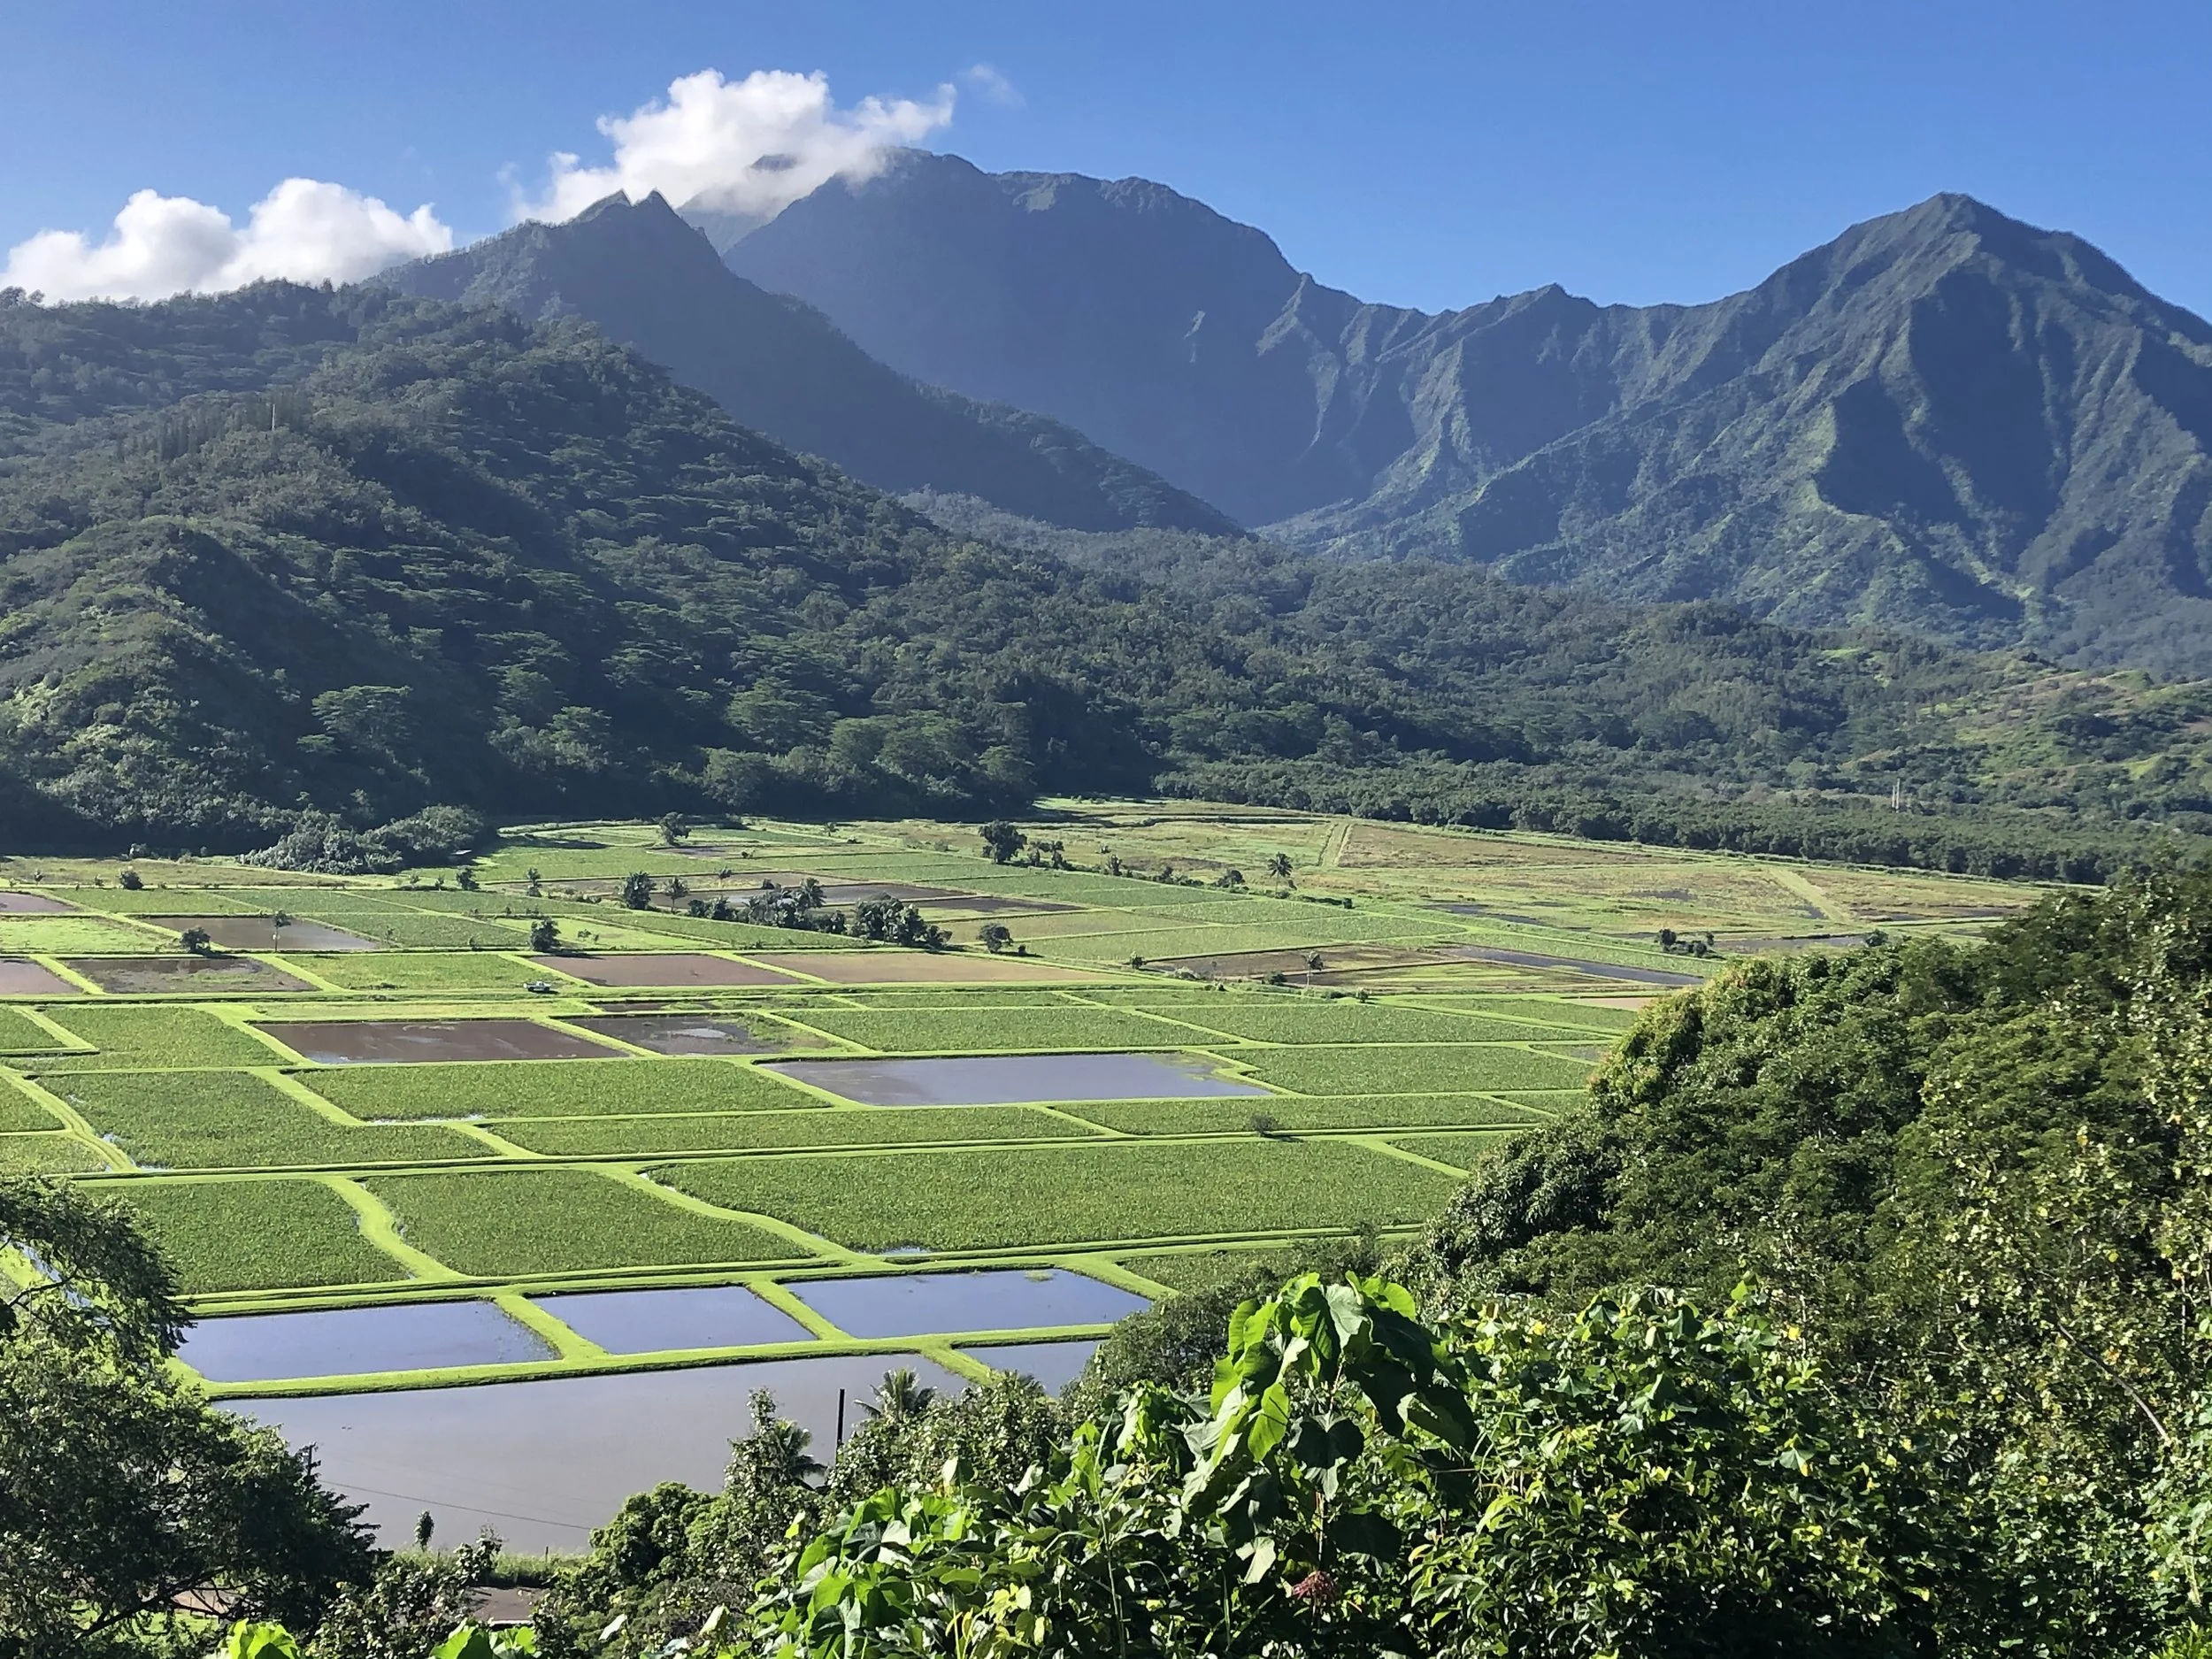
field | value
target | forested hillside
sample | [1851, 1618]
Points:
[353, 550]
[1944, 419]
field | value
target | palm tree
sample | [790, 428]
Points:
[1279, 866]
[901, 1397]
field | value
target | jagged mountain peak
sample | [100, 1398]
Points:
[1944, 418]
[650, 280]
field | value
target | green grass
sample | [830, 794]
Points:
[551, 1088]
[221, 1121]
[1044, 1196]
[1462, 1151]
[1202, 1269]
[155, 902]
[74, 936]
[737, 1132]
[19, 1110]
[1435, 1067]
[989, 1030]
[419, 970]
[1295, 1114]
[257, 1235]
[555, 1221]
[50, 1154]
[21, 1034]
[1343, 1019]
[151, 1034]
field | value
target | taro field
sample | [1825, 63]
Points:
[1154, 1040]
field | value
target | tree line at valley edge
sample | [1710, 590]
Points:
[351, 551]
[1859, 1315]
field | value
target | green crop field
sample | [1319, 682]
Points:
[551, 1088]
[1414, 1069]
[1291, 1113]
[1069, 1194]
[742, 1132]
[149, 1034]
[1000, 1030]
[222, 1120]
[1411, 996]
[557, 1221]
[84, 936]
[258, 1235]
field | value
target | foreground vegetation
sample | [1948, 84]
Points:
[1857, 1313]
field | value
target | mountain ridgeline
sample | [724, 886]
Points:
[649, 281]
[363, 552]
[1943, 420]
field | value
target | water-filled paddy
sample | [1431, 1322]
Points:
[185, 973]
[349, 1341]
[543, 1462]
[1054, 1364]
[266, 932]
[19, 977]
[1001, 1079]
[919, 1304]
[31, 904]
[369, 1042]
[677, 1033]
[662, 968]
[651, 1321]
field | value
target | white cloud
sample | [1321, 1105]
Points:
[994, 87]
[750, 147]
[305, 230]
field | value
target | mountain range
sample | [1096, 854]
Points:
[1943, 420]
[353, 550]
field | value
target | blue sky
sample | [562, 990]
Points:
[1425, 154]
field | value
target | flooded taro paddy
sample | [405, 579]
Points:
[379, 1170]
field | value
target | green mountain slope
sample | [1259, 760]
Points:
[1943, 420]
[359, 552]
[652, 282]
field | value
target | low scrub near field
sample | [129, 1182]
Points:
[742, 1132]
[222, 1120]
[151, 1034]
[258, 1235]
[551, 1088]
[1069, 1194]
[557, 1221]
[1434, 1068]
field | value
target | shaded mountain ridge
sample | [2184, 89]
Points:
[651, 281]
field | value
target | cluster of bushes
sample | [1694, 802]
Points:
[327, 845]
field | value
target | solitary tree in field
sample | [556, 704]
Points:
[996, 936]
[1279, 866]
[130, 881]
[197, 941]
[1001, 840]
[674, 831]
[637, 890]
[545, 934]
